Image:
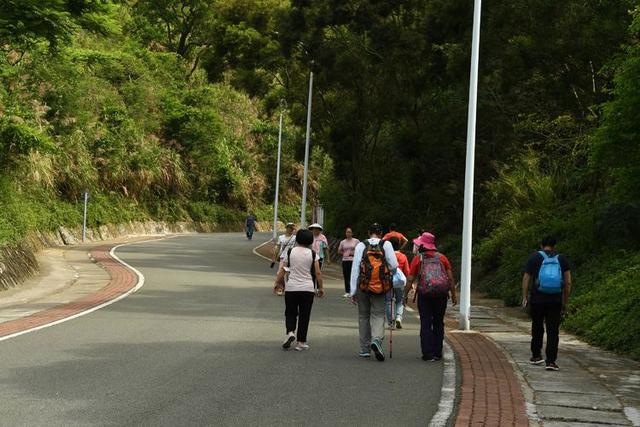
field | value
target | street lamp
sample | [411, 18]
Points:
[275, 205]
[467, 220]
[303, 208]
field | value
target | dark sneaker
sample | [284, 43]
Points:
[377, 350]
[428, 358]
[436, 358]
[290, 338]
[551, 366]
[536, 360]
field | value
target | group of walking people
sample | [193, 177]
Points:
[378, 278]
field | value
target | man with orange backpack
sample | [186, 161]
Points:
[374, 262]
[435, 279]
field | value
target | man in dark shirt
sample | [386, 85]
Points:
[546, 308]
[250, 225]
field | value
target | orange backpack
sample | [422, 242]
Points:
[375, 275]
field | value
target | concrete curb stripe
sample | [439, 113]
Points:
[448, 391]
[255, 250]
[98, 307]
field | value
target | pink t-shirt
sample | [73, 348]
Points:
[348, 246]
[319, 244]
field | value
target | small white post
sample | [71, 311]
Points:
[303, 208]
[84, 217]
[275, 205]
[467, 221]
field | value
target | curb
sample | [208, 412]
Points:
[124, 281]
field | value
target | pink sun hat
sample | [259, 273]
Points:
[426, 240]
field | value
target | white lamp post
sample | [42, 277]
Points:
[467, 228]
[303, 208]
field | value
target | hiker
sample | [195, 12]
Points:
[395, 298]
[285, 242]
[298, 278]
[547, 299]
[250, 225]
[320, 244]
[373, 265]
[435, 283]
[393, 233]
[346, 249]
[416, 247]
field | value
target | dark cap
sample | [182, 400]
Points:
[375, 228]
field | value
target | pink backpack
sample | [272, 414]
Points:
[433, 279]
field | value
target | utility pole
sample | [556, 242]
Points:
[467, 228]
[84, 216]
[275, 205]
[303, 208]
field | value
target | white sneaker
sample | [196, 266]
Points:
[301, 347]
[347, 295]
[290, 338]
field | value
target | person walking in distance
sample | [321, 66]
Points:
[250, 225]
[395, 298]
[320, 244]
[296, 279]
[346, 249]
[435, 279]
[394, 233]
[371, 278]
[547, 299]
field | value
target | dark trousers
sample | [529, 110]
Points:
[249, 231]
[346, 274]
[432, 311]
[297, 312]
[545, 314]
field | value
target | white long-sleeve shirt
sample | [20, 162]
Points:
[389, 254]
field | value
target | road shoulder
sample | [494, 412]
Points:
[73, 281]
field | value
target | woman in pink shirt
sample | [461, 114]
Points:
[346, 249]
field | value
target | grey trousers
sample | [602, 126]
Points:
[370, 318]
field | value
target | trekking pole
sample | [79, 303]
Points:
[393, 298]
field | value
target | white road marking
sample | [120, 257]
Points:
[255, 250]
[448, 391]
[104, 304]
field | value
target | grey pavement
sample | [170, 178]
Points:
[199, 344]
[593, 386]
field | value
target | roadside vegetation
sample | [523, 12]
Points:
[89, 101]
[168, 110]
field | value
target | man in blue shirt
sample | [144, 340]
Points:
[546, 306]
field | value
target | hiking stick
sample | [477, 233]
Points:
[393, 298]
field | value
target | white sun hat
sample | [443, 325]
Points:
[315, 225]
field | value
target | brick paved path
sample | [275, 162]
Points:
[491, 394]
[122, 280]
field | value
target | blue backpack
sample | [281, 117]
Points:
[550, 276]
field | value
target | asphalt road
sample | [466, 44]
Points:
[199, 344]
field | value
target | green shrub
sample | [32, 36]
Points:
[604, 308]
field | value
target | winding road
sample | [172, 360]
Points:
[199, 344]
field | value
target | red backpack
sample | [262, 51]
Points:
[433, 279]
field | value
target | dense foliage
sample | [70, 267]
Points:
[92, 104]
[167, 109]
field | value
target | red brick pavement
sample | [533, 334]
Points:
[122, 280]
[491, 394]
